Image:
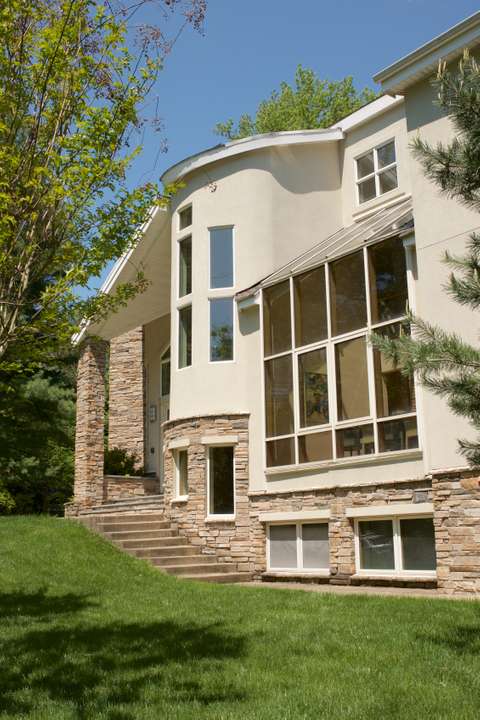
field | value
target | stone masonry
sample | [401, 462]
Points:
[89, 431]
[126, 426]
[228, 540]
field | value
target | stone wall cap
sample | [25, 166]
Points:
[206, 416]
[219, 440]
[274, 517]
[178, 444]
[393, 509]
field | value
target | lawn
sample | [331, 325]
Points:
[87, 632]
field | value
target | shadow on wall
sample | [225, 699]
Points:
[92, 670]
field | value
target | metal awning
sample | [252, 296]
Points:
[385, 223]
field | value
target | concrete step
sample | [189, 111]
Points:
[183, 559]
[164, 552]
[140, 534]
[198, 567]
[122, 525]
[150, 543]
[232, 577]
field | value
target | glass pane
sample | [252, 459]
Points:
[185, 337]
[355, 441]
[315, 546]
[280, 452]
[313, 388]
[395, 391]
[221, 258]
[165, 384]
[376, 545]
[277, 330]
[366, 190]
[185, 267]
[352, 379]
[365, 165]
[279, 396]
[386, 154]
[315, 447]
[388, 280]
[283, 546]
[347, 290]
[418, 544]
[182, 472]
[398, 435]
[310, 307]
[221, 481]
[185, 217]
[388, 180]
[221, 329]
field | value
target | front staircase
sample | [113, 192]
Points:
[139, 527]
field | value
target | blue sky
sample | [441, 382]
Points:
[250, 46]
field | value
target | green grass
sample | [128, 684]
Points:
[87, 632]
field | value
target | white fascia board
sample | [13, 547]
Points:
[255, 142]
[112, 277]
[394, 510]
[424, 60]
[368, 112]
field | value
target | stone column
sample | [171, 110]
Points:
[126, 410]
[89, 434]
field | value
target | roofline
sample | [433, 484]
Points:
[254, 142]
[397, 76]
[368, 112]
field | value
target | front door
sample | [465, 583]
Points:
[164, 404]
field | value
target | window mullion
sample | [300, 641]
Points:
[299, 547]
[397, 545]
[296, 396]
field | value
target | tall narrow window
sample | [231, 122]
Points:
[185, 337]
[352, 379]
[182, 473]
[347, 290]
[221, 258]
[388, 280]
[221, 479]
[313, 388]
[221, 329]
[310, 307]
[185, 218]
[185, 267]
[277, 326]
[279, 396]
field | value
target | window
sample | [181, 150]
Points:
[181, 461]
[165, 374]
[328, 394]
[221, 495]
[185, 218]
[405, 545]
[185, 267]
[221, 329]
[185, 336]
[376, 172]
[221, 258]
[298, 546]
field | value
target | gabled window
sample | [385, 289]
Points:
[376, 172]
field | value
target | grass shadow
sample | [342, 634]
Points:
[39, 605]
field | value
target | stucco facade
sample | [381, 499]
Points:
[273, 200]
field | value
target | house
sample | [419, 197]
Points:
[272, 434]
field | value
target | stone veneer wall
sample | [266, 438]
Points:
[126, 413]
[118, 487]
[341, 533]
[456, 502]
[89, 431]
[228, 540]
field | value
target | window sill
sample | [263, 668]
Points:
[390, 198]
[396, 577]
[179, 500]
[296, 574]
[379, 459]
[220, 519]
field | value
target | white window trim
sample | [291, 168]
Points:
[330, 342]
[176, 459]
[376, 172]
[324, 571]
[212, 517]
[187, 228]
[398, 571]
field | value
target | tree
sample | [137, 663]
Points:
[73, 81]
[445, 363]
[310, 103]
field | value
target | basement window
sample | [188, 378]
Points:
[299, 547]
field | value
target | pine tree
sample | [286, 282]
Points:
[443, 362]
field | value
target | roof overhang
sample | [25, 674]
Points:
[423, 62]
[151, 254]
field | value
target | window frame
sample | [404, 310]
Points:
[210, 300]
[325, 571]
[183, 306]
[179, 211]
[213, 517]
[224, 287]
[180, 240]
[376, 172]
[398, 570]
[176, 456]
[223, 293]
[330, 343]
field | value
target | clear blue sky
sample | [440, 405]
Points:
[250, 46]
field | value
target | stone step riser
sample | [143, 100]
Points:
[124, 513]
[161, 552]
[220, 578]
[127, 526]
[140, 534]
[152, 543]
[197, 569]
[183, 560]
